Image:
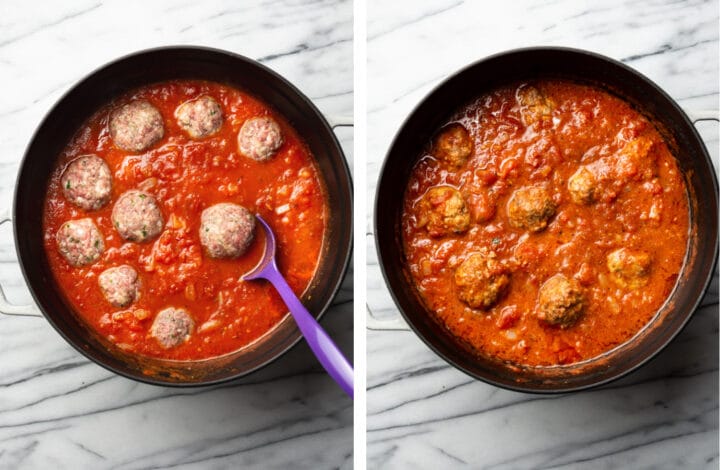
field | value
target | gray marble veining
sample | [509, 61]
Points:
[57, 409]
[422, 413]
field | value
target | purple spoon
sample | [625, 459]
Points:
[331, 358]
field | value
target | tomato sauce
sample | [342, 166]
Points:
[641, 204]
[186, 176]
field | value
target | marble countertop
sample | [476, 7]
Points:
[422, 413]
[57, 409]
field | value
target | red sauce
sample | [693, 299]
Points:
[640, 204]
[186, 176]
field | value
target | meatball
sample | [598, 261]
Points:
[534, 106]
[136, 126]
[87, 182]
[259, 138]
[530, 208]
[481, 280]
[120, 285]
[137, 217]
[200, 117]
[443, 211]
[226, 230]
[582, 186]
[172, 327]
[80, 242]
[453, 145]
[629, 268]
[560, 301]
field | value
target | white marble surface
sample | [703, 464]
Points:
[58, 410]
[423, 413]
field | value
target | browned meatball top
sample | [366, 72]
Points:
[453, 145]
[443, 211]
[481, 280]
[561, 301]
[531, 208]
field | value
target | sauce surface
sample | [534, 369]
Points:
[539, 135]
[186, 176]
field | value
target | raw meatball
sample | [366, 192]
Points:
[137, 217]
[87, 182]
[259, 138]
[80, 242]
[443, 211]
[120, 285]
[200, 117]
[560, 301]
[453, 145]
[136, 126]
[481, 280]
[172, 327]
[530, 208]
[226, 230]
[629, 268]
[534, 106]
[582, 186]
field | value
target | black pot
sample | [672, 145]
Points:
[584, 67]
[96, 90]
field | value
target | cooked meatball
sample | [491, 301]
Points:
[87, 182]
[560, 301]
[226, 230]
[481, 280]
[582, 186]
[136, 126]
[443, 211]
[259, 138]
[172, 327]
[120, 285]
[534, 106]
[632, 163]
[530, 208]
[80, 242]
[453, 145]
[137, 217]
[200, 117]
[629, 268]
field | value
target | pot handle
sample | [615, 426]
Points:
[6, 308]
[698, 115]
[340, 121]
[390, 324]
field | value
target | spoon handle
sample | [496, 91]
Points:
[327, 352]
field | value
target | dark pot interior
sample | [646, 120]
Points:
[117, 78]
[585, 67]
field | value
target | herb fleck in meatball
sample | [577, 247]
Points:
[136, 126]
[87, 182]
[453, 145]
[200, 117]
[534, 106]
[226, 230]
[172, 327]
[137, 217]
[561, 301]
[531, 208]
[120, 285]
[481, 280]
[629, 268]
[80, 242]
[443, 211]
[260, 138]
[582, 186]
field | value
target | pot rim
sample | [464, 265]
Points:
[519, 386]
[347, 251]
